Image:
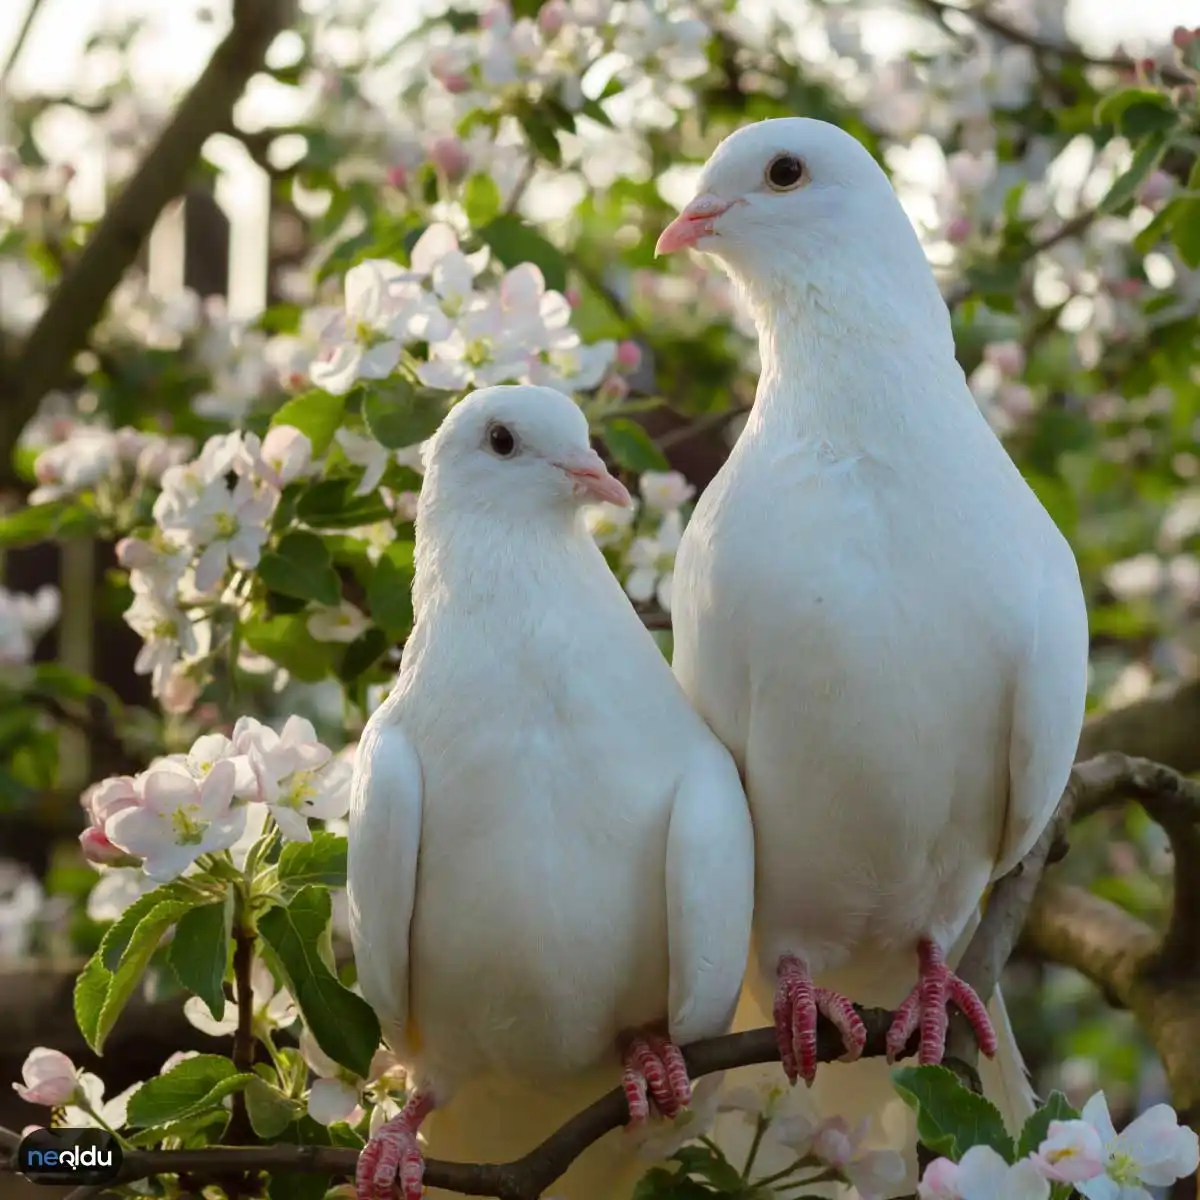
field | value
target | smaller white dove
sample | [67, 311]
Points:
[551, 859]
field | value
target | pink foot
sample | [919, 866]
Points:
[797, 1003]
[926, 1006]
[654, 1070]
[393, 1157]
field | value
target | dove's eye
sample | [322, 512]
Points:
[501, 440]
[784, 172]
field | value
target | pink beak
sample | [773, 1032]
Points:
[694, 223]
[591, 478]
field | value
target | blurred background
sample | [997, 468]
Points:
[1067, 237]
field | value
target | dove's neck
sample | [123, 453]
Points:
[865, 380]
[481, 562]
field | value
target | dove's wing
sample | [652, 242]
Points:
[385, 837]
[1048, 704]
[710, 895]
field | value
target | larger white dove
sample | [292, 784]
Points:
[871, 609]
[551, 864]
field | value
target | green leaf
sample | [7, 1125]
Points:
[186, 1090]
[199, 952]
[111, 974]
[1056, 1108]
[341, 1022]
[1185, 233]
[1137, 111]
[632, 447]
[269, 1110]
[1125, 187]
[715, 1167]
[389, 593]
[481, 199]
[513, 242]
[295, 1186]
[45, 522]
[316, 414]
[299, 566]
[285, 639]
[321, 861]
[331, 504]
[950, 1118]
[204, 1129]
[363, 653]
[399, 415]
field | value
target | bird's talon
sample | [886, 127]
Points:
[654, 1071]
[797, 1006]
[393, 1158]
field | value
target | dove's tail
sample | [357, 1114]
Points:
[1004, 1078]
[496, 1120]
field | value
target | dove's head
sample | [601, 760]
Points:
[801, 215]
[516, 451]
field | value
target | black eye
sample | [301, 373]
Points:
[785, 172]
[501, 441]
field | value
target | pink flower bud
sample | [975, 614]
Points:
[958, 229]
[629, 355]
[551, 17]
[1125, 289]
[613, 389]
[1157, 188]
[109, 797]
[99, 850]
[1007, 357]
[574, 299]
[449, 157]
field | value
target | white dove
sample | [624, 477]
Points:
[551, 863]
[871, 609]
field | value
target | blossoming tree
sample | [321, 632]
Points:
[480, 201]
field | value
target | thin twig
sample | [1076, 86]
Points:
[1063, 50]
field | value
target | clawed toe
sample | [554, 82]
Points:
[927, 1009]
[393, 1157]
[655, 1071]
[798, 1003]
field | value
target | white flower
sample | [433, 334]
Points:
[22, 899]
[115, 891]
[665, 491]
[364, 451]
[1071, 1151]
[178, 818]
[607, 523]
[341, 624]
[286, 455]
[1153, 1151]
[983, 1175]
[167, 631]
[48, 1077]
[23, 620]
[294, 773]
[366, 340]
[574, 367]
[451, 273]
[111, 1113]
[653, 563]
[872, 1172]
[229, 525]
[273, 1007]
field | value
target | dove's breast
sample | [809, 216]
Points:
[852, 635]
[542, 862]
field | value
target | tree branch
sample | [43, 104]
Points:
[978, 14]
[79, 299]
[1115, 950]
[1162, 727]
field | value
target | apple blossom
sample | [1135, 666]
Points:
[179, 818]
[48, 1077]
[665, 491]
[286, 455]
[23, 620]
[982, 1174]
[341, 624]
[1152, 1151]
[1071, 1151]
